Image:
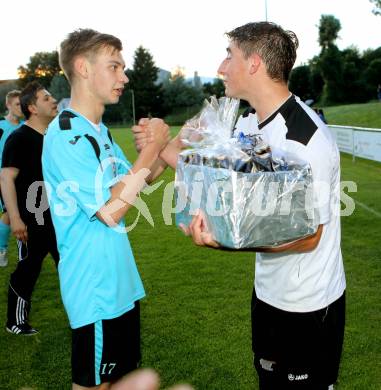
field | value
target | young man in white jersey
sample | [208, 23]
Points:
[298, 303]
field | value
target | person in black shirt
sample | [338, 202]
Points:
[24, 196]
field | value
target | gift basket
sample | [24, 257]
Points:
[252, 196]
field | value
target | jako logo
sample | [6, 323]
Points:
[302, 377]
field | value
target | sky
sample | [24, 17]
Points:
[189, 34]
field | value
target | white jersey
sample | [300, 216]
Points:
[302, 282]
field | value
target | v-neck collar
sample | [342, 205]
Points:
[283, 107]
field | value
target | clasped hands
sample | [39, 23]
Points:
[149, 131]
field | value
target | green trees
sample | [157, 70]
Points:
[377, 4]
[42, 66]
[178, 94]
[143, 81]
[216, 88]
[150, 91]
[336, 76]
[150, 95]
[300, 82]
[329, 28]
[332, 73]
[373, 72]
[59, 87]
[330, 60]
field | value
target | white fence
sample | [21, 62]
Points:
[358, 141]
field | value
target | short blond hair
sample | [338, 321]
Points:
[86, 42]
[11, 95]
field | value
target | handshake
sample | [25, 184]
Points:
[151, 133]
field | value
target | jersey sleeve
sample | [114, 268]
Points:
[74, 160]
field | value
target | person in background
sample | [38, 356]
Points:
[7, 125]
[21, 171]
[321, 115]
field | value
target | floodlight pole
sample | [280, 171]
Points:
[133, 105]
[266, 10]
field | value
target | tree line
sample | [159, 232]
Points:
[332, 77]
[163, 96]
[337, 76]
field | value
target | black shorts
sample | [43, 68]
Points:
[106, 350]
[297, 350]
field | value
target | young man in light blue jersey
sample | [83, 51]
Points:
[92, 186]
[7, 125]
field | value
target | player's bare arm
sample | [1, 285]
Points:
[124, 193]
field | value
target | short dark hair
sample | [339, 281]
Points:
[28, 96]
[84, 42]
[276, 47]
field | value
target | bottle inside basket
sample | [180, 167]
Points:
[258, 150]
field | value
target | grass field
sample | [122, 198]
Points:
[362, 115]
[196, 316]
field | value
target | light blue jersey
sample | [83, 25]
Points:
[98, 275]
[6, 128]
